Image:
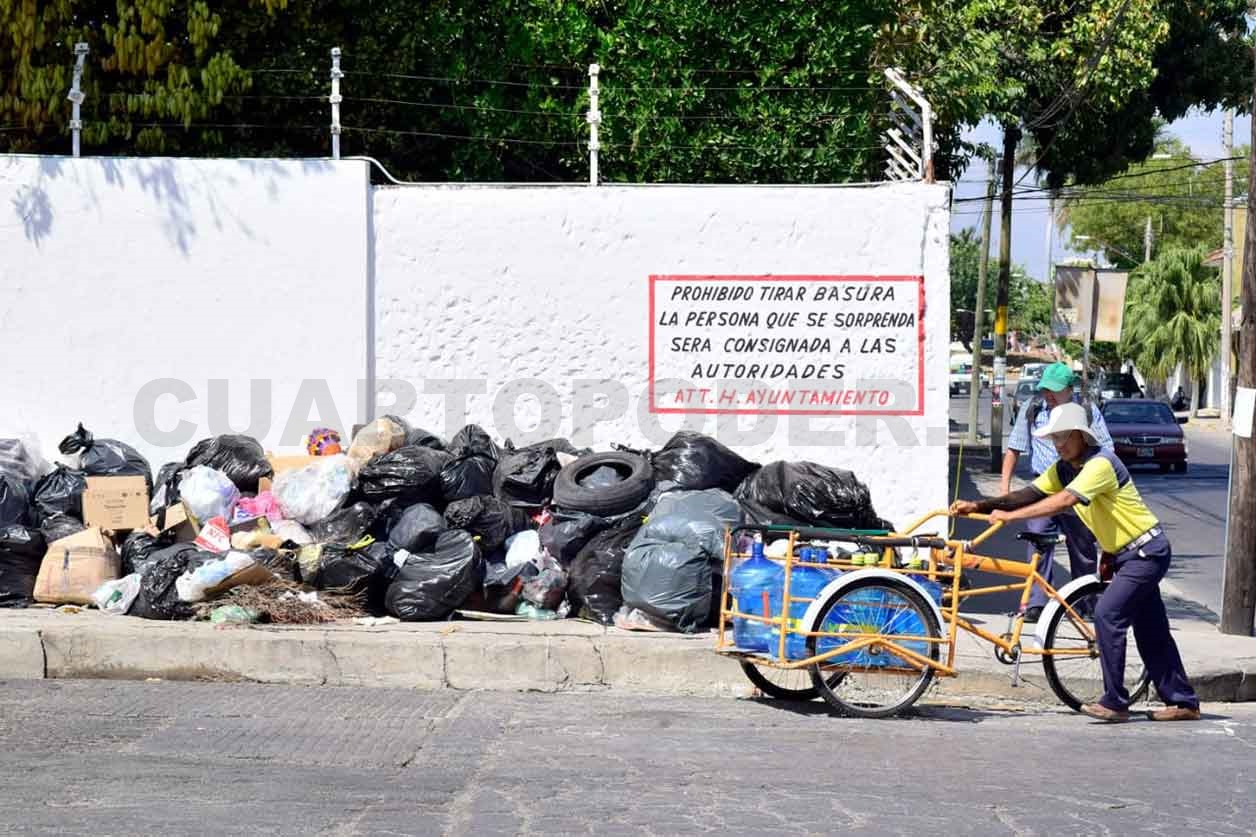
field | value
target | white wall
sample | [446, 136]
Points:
[118, 272]
[513, 290]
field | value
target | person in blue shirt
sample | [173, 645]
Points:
[1054, 388]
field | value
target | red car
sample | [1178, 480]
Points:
[1146, 432]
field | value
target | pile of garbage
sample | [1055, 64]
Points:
[400, 523]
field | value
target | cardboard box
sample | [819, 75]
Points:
[177, 522]
[280, 464]
[74, 567]
[116, 503]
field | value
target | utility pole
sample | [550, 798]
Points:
[1227, 265]
[979, 313]
[1011, 137]
[1238, 592]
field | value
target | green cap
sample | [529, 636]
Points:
[1056, 377]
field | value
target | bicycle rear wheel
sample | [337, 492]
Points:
[1077, 677]
[784, 683]
[874, 682]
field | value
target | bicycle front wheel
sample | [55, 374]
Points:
[1072, 664]
[784, 683]
[874, 681]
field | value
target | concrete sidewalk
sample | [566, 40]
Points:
[557, 656]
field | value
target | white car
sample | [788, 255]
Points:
[1032, 370]
[961, 378]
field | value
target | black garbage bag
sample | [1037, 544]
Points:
[467, 476]
[411, 474]
[475, 457]
[58, 526]
[344, 526]
[240, 458]
[158, 598]
[596, 574]
[417, 529]
[473, 440]
[804, 493]
[433, 584]
[60, 492]
[21, 552]
[695, 461]
[106, 457]
[350, 571]
[667, 570]
[567, 533]
[525, 477]
[491, 519]
[140, 550]
[165, 487]
[15, 502]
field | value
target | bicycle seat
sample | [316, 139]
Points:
[1040, 540]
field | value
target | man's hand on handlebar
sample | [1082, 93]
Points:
[1000, 516]
[963, 507]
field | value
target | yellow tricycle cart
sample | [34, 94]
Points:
[866, 619]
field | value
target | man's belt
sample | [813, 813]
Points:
[1145, 538]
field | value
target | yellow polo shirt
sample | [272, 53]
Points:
[1108, 502]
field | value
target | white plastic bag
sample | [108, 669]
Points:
[192, 585]
[115, 597]
[309, 494]
[290, 530]
[207, 494]
[20, 457]
[522, 547]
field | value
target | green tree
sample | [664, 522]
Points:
[691, 91]
[1030, 306]
[1183, 199]
[1173, 316]
[1087, 81]
[152, 62]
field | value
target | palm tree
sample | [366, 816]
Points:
[1173, 316]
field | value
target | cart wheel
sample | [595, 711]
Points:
[784, 683]
[1073, 672]
[874, 684]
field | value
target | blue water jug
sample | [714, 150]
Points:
[750, 580]
[804, 583]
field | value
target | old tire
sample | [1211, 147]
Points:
[637, 480]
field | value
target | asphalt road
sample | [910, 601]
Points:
[1192, 506]
[100, 758]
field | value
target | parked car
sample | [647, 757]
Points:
[961, 378]
[1108, 385]
[1026, 389]
[1145, 432]
[1032, 370]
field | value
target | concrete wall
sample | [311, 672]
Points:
[117, 273]
[161, 301]
[528, 310]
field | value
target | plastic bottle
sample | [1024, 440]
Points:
[750, 580]
[804, 583]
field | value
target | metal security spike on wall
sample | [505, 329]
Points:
[909, 143]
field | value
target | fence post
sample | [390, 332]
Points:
[595, 119]
[76, 96]
[335, 99]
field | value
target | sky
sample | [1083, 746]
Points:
[1030, 222]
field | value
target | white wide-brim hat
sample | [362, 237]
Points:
[1066, 417]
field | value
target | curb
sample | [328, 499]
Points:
[465, 656]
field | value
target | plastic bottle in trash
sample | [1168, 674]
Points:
[804, 583]
[756, 585]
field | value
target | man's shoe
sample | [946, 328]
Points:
[1033, 614]
[1175, 713]
[1103, 713]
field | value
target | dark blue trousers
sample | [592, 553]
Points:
[1133, 599]
[1083, 551]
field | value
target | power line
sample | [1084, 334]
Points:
[1032, 189]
